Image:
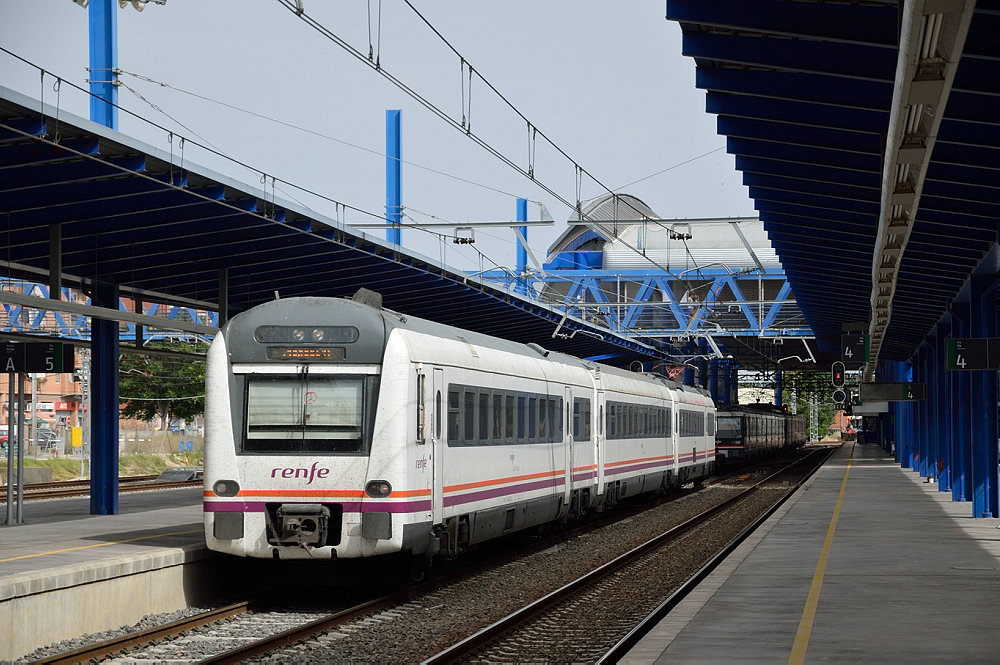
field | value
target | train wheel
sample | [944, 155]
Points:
[419, 569]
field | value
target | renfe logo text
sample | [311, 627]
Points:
[291, 472]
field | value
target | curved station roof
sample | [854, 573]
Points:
[868, 134]
[129, 214]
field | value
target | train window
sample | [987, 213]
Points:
[510, 402]
[533, 419]
[437, 415]
[522, 417]
[577, 403]
[469, 416]
[454, 418]
[303, 413]
[612, 424]
[421, 382]
[581, 419]
[497, 418]
[484, 416]
[553, 418]
[710, 424]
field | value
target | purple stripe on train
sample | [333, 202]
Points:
[637, 467]
[350, 507]
[503, 491]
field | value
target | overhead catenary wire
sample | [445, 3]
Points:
[206, 148]
[443, 115]
[313, 132]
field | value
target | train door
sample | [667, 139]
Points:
[600, 419]
[439, 433]
[568, 443]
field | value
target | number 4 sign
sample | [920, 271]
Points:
[974, 353]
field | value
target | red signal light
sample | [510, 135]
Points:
[837, 374]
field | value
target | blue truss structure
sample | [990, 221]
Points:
[651, 304]
[20, 320]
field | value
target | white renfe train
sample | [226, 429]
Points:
[335, 429]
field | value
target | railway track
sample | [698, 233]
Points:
[442, 611]
[78, 488]
[543, 629]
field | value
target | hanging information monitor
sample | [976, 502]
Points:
[968, 353]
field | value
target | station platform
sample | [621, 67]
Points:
[65, 572]
[866, 563]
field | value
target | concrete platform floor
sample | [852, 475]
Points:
[867, 563]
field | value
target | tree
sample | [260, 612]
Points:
[805, 385]
[161, 385]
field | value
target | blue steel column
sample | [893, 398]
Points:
[931, 403]
[896, 413]
[103, 19]
[908, 421]
[920, 374]
[725, 369]
[942, 398]
[394, 176]
[713, 379]
[734, 383]
[777, 387]
[961, 461]
[104, 334]
[688, 369]
[701, 376]
[984, 404]
[887, 372]
[522, 251]
[104, 405]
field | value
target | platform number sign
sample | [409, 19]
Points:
[972, 353]
[855, 349]
[40, 357]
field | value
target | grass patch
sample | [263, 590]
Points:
[62, 469]
[128, 465]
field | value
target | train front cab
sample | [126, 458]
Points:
[291, 427]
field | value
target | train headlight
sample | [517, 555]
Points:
[318, 334]
[226, 488]
[378, 489]
[298, 335]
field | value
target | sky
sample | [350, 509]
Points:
[605, 82]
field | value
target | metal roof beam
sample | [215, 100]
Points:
[809, 114]
[822, 173]
[796, 86]
[815, 21]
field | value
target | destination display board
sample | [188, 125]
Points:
[972, 353]
[36, 357]
[893, 392]
[855, 349]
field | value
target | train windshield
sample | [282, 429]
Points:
[309, 413]
[728, 427]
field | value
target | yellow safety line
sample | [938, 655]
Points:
[87, 547]
[798, 655]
